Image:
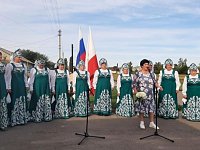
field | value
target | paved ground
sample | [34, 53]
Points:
[120, 133]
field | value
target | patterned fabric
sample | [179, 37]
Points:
[81, 63]
[192, 107]
[3, 114]
[125, 66]
[62, 98]
[17, 53]
[17, 109]
[168, 107]
[102, 61]
[125, 107]
[193, 66]
[102, 101]
[40, 105]
[18, 113]
[61, 109]
[42, 110]
[80, 105]
[40, 61]
[144, 83]
[81, 96]
[168, 103]
[168, 61]
[60, 61]
[3, 103]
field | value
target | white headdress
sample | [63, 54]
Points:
[60, 61]
[81, 63]
[17, 53]
[40, 62]
[193, 66]
[102, 61]
[124, 66]
[168, 61]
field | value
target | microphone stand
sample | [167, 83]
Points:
[155, 92]
[86, 134]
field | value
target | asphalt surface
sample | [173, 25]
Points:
[120, 134]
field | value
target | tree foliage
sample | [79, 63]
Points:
[181, 67]
[130, 65]
[157, 67]
[33, 56]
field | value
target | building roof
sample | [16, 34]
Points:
[10, 53]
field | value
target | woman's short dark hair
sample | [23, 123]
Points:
[0, 53]
[144, 61]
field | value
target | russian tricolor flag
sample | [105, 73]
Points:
[82, 53]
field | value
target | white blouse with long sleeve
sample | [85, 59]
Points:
[53, 78]
[184, 87]
[75, 74]
[32, 77]
[8, 74]
[96, 74]
[178, 84]
[119, 81]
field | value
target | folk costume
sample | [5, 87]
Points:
[16, 82]
[168, 103]
[61, 86]
[103, 84]
[81, 86]
[40, 104]
[191, 89]
[125, 105]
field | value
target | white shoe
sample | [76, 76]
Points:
[152, 125]
[142, 126]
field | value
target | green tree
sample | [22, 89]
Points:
[33, 56]
[157, 67]
[182, 66]
[130, 65]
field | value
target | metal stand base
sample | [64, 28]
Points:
[86, 135]
[157, 134]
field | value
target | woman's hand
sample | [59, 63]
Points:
[135, 91]
[185, 96]
[9, 91]
[161, 88]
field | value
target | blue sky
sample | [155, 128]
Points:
[123, 30]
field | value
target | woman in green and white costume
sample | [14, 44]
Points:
[103, 84]
[191, 92]
[169, 87]
[60, 88]
[40, 104]
[3, 93]
[125, 104]
[81, 90]
[17, 85]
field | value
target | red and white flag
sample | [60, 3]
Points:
[91, 58]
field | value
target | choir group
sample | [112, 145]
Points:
[46, 94]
